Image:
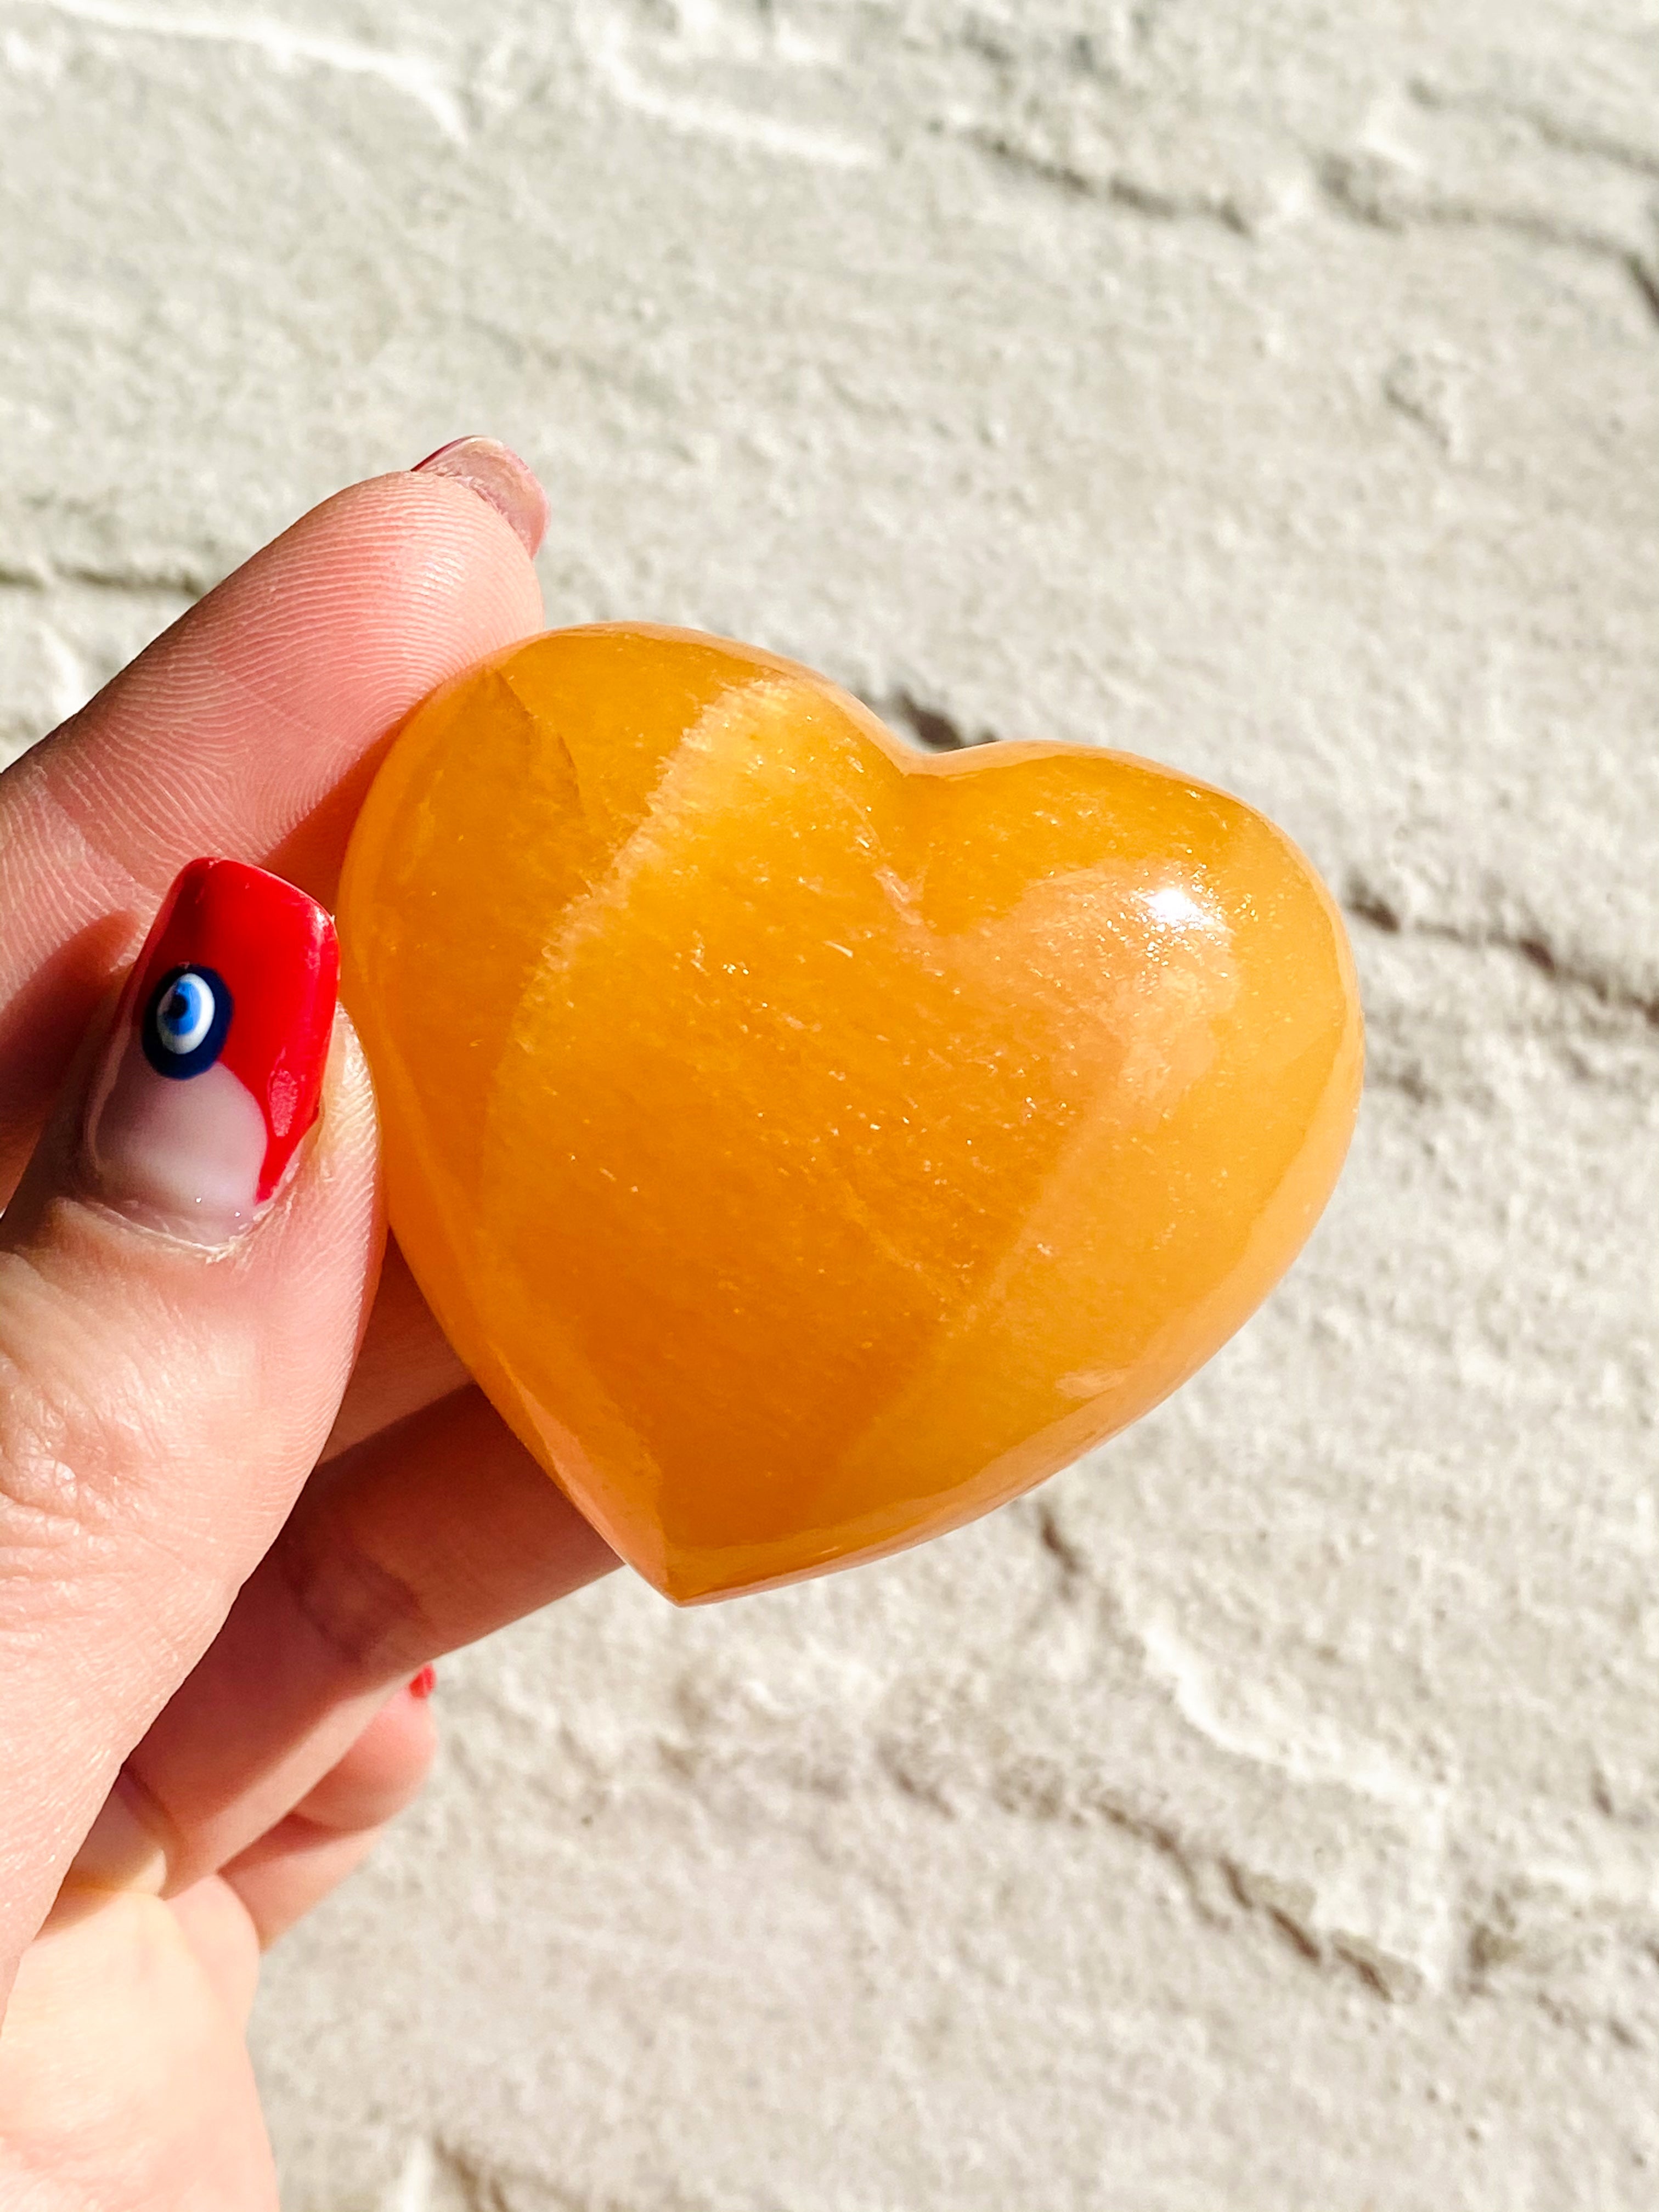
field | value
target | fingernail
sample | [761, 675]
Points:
[423, 1684]
[215, 1068]
[498, 476]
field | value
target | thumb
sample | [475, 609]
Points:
[184, 1274]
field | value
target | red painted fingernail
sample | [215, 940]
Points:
[215, 1069]
[500, 478]
[423, 1684]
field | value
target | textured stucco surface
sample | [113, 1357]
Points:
[1265, 1815]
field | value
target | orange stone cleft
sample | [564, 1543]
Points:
[808, 1144]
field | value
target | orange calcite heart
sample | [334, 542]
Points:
[808, 1144]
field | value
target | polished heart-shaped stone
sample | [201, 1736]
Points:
[808, 1144]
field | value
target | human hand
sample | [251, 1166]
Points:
[246, 1492]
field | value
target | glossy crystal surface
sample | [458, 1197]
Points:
[808, 1144]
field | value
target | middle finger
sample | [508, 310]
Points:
[422, 1538]
[404, 1364]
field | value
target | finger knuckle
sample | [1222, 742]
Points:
[370, 1617]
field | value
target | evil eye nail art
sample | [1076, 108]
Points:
[184, 1025]
[231, 1006]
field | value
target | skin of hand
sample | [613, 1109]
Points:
[246, 1492]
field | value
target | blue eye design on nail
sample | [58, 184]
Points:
[186, 1022]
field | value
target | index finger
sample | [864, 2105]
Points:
[249, 730]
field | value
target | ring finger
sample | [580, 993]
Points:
[333, 1828]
